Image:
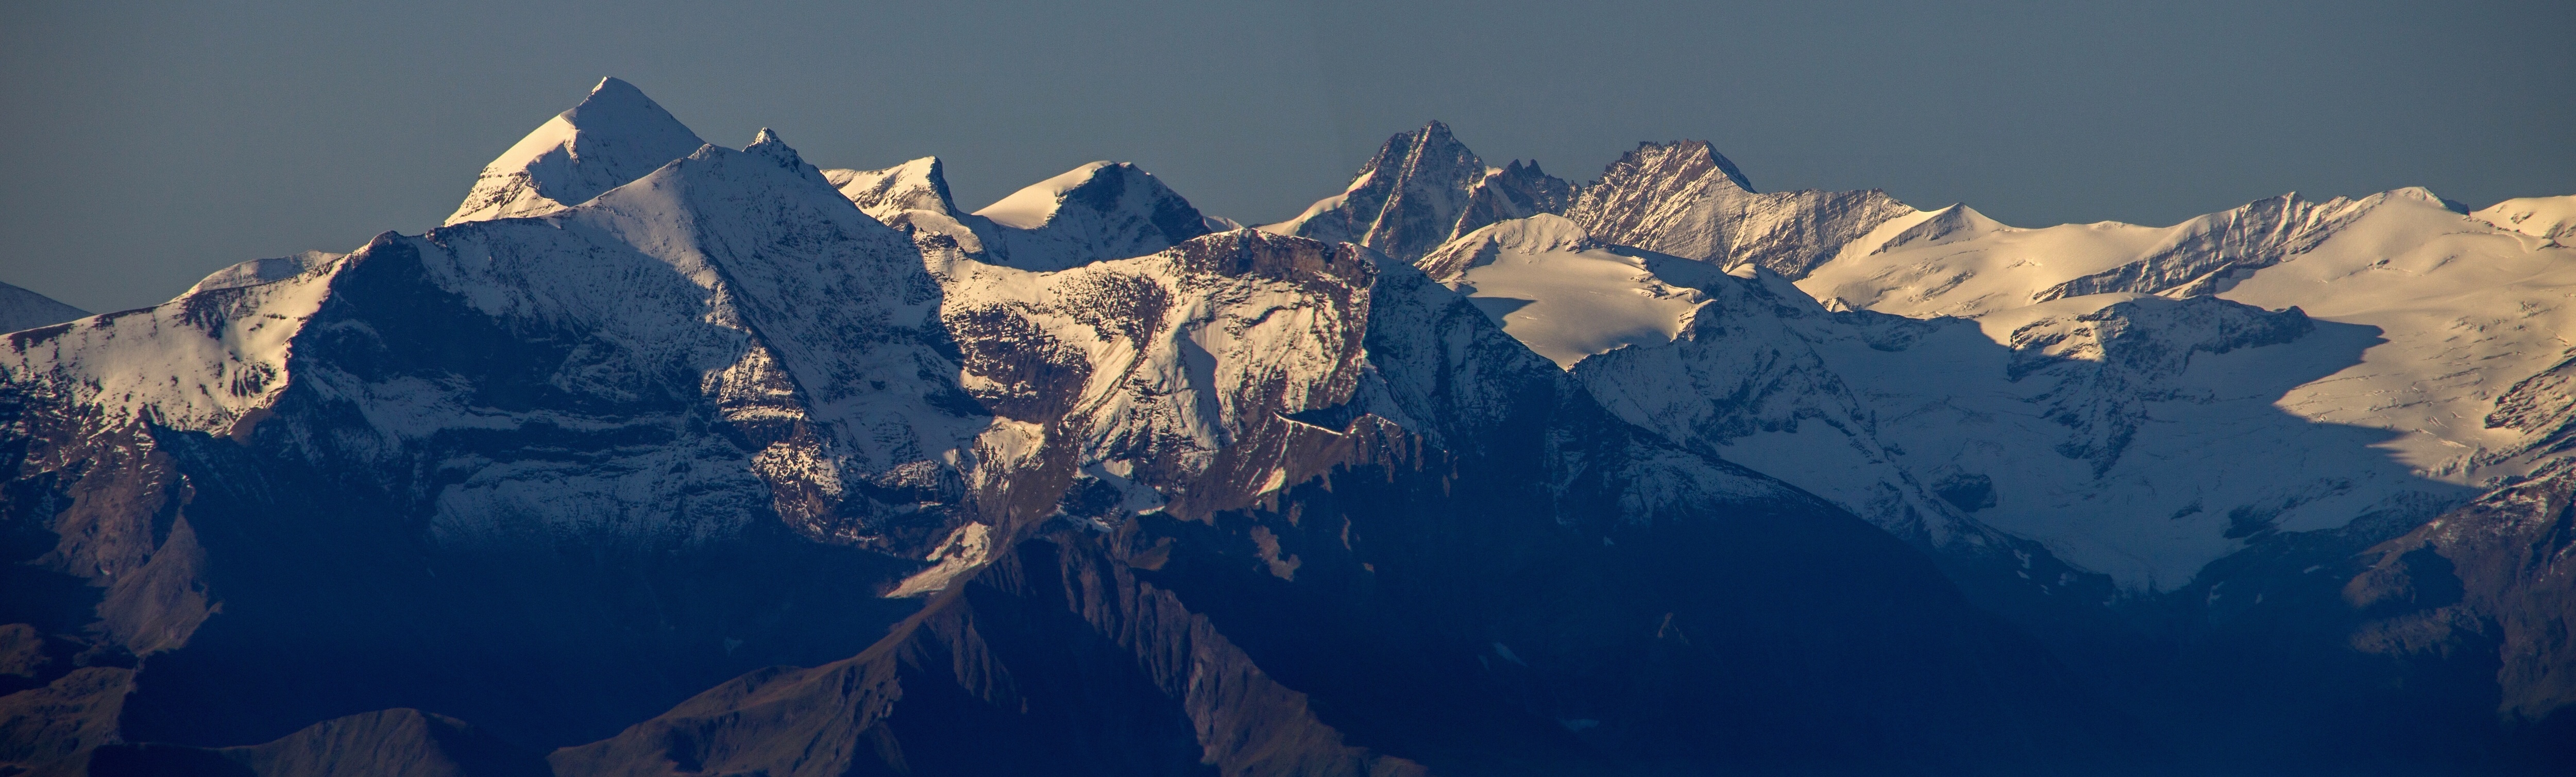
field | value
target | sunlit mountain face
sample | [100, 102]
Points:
[660, 457]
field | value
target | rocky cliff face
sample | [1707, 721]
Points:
[1423, 189]
[1684, 199]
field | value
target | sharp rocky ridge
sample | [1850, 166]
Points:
[662, 457]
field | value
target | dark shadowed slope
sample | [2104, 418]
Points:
[23, 309]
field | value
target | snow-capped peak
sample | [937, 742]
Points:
[1683, 198]
[1096, 212]
[1681, 160]
[614, 136]
[920, 184]
[1424, 188]
[913, 197]
[1034, 205]
[2547, 218]
[1101, 187]
[1431, 149]
[767, 145]
[1941, 226]
[798, 317]
[1956, 261]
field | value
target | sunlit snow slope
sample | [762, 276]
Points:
[2141, 401]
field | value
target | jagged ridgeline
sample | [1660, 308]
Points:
[661, 458]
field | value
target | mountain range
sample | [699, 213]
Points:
[660, 457]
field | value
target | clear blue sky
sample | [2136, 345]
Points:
[150, 143]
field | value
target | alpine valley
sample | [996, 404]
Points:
[664, 458]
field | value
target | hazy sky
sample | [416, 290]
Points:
[147, 144]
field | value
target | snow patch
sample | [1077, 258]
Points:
[966, 549]
[1568, 297]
